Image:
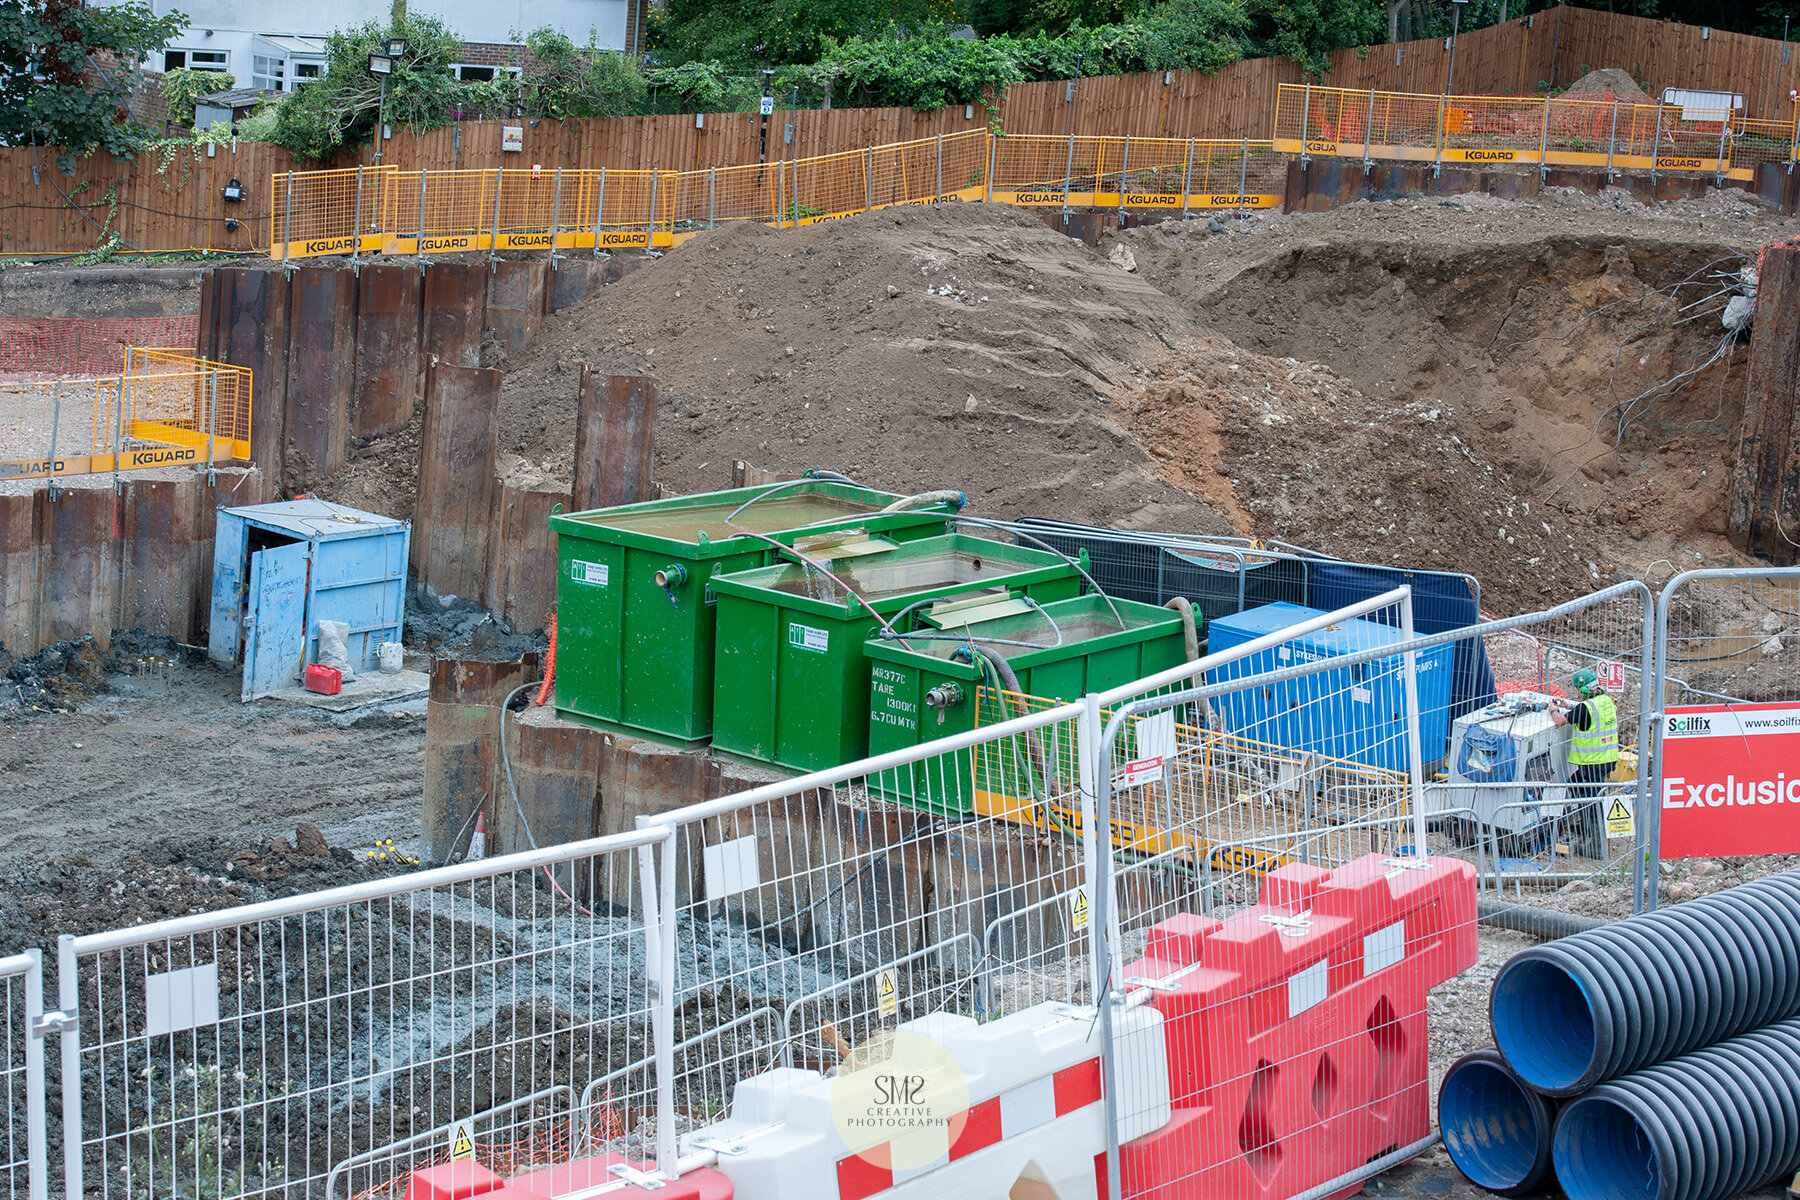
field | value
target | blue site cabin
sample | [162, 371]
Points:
[280, 569]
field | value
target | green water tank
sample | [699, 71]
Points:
[634, 603]
[926, 686]
[791, 679]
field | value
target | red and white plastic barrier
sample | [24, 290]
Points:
[1034, 1091]
[1254, 1058]
[1296, 1030]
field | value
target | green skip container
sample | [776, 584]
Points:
[928, 688]
[634, 600]
[791, 682]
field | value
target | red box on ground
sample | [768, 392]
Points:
[327, 681]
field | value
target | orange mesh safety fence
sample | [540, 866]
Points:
[1581, 132]
[528, 208]
[49, 347]
[166, 409]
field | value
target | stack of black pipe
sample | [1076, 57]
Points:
[1655, 1058]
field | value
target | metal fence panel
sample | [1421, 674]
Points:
[24, 1152]
[328, 1044]
[1724, 637]
[1293, 758]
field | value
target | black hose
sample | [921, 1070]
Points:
[1598, 1004]
[1538, 922]
[1713, 1124]
[1497, 1130]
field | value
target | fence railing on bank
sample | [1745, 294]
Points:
[164, 409]
[383, 210]
[1321, 122]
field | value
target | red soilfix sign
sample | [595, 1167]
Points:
[1731, 780]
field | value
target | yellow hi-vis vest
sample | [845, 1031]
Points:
[1599, 742]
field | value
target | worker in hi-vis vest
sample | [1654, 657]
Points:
[1594, 744]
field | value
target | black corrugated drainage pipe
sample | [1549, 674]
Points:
[1706, 1126]
[1596, 1005]
[1496, 1129]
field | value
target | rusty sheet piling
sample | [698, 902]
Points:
[615, 420]
[1765, 504]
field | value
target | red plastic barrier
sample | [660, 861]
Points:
[1296, 1029]
[467, 1180]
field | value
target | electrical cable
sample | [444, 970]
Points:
[1007, 527]
[512, 787]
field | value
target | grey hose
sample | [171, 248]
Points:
[1716, 1123]
[1037, 770]
[1596, 1005]
[1040, 543]
[946, 496]
[1190, 633]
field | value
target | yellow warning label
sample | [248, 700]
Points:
[1078, 909]
[1619, 819]
[462, 1141]
[887, 993]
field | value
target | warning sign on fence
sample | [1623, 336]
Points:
[1731, 780]
[462, 1141]
[1620, 820]
[887, 993]
[1078, 909]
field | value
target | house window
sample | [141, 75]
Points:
[470, 73]
[174, 60]
[308, 71]
[206, 60]
[267, 73]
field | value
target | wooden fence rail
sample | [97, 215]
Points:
[178, 205]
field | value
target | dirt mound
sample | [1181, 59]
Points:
[1531, 330]
[1308, 455]
[963, 346]
[1608, 83]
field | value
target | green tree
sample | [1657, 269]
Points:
[66, 74]
[748, 33]
[570, 81]
[342, 108]
[1307, 31]
[183, 88]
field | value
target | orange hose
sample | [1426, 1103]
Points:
[549, 665]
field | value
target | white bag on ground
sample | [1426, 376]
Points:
[334, 649]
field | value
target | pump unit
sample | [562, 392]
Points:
[1517, 741]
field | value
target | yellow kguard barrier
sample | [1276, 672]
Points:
[383, 210]
[1499, 130]
[367, 210]
[165, 409]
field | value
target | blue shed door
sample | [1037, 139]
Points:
[276, 634]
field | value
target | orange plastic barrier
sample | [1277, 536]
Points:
[1296, 1030]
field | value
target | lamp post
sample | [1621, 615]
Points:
[1456, 7]
[383, 65]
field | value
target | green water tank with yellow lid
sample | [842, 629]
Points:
[791, 674]
[634, 603]
[931, 684]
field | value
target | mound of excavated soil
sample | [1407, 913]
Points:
[965, 346]
[1309, 457]
[1608, 82]
[1531, 330]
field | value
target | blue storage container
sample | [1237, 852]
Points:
[279, 569]
[1353, 713]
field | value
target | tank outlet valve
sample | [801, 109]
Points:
[670, 578]
[942, 697]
